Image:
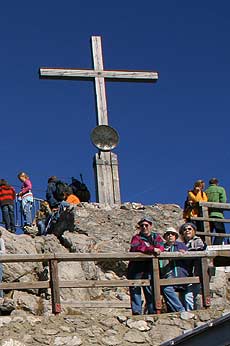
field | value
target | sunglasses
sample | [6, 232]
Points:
[188, 229]
[145, 225]
[170, 233]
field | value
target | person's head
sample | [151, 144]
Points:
[200, 183]
[44, 205]
[170, 235]
[52, 178]
[145, 224]
[213, 181]
[22, 176]
[188, 231]
[3, 182]
[198, 186]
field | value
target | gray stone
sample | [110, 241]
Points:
[186, 315]
[139, 325]
[111, 340]
[122, 318]
[67, 341]
[12, 342]
[133, 336]
[204, 316]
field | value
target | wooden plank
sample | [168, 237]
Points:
[182, 255]
[223, 206]
[10, 258]
[204, 279]
[54, 285]
[213, 234]
[180, 281]
[155, 283]
[102, 283]
[134, 256]
[116, 180]
[206, 224]
[24, 285]
[99, 84]
[221, 247]
[97, 257]
[200, 218]
[98, 304]
[90, 75]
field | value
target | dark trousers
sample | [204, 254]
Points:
[8, 217]
[218, 227]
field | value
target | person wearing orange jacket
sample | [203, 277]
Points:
[196, 195]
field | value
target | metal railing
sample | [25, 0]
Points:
[18, 212]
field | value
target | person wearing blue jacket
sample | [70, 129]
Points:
[173, 269]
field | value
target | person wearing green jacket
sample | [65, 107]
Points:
[217, 194]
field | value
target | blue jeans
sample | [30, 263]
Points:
[8, 217]
[41, 227]
[26, 210]
[172, 300]
[1, 272]
[135, 295]
[189, 297]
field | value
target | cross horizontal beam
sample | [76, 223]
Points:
[88, 74]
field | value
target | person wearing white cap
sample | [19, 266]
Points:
[173, 269]
[148, 242]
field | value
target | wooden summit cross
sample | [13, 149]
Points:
[105, 162]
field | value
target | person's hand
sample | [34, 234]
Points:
[156, 251]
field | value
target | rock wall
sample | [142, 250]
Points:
[105, 328]
[82, 229]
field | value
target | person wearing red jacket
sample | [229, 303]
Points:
[7, 198]
[150, 243]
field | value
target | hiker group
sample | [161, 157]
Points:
[59, 195]
[184, 297]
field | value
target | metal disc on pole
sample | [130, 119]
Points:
[104, 137]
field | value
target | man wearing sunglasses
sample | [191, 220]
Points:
[147, 242]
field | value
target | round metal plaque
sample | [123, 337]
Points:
[104, 137]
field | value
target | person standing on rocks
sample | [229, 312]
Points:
[7, 198]
[216, 194]
[2, 251]
[50, 192]
[147, 242]
[26, 198]
[194, 196]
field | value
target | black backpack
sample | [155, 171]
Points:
[80, 189]
[61, 188]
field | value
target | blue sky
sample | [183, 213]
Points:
[171, 133]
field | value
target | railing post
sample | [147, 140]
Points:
[155, 283]
[206, 224]
[54, 285]
[204, 279]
